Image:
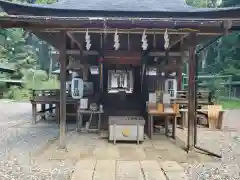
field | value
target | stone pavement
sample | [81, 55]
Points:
[128, 170]
[94, 158]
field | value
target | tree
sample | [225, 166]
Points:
[14, 50]
[230, 3]
[204, 3]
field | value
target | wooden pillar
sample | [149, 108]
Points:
[101, 74]
[191, 91]
[34, 112]
[179, 77]
[43, 109]
[180, 63]
[62, 59]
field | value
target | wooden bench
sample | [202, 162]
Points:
[203, 98]
[50, 97]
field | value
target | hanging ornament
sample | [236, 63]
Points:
[87, 40]
[144, 41]
[166, 39]
[116, 40]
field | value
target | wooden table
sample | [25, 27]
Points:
[167, 115]
[50, 100]
[82, 112]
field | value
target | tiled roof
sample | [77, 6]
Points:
[127, 8]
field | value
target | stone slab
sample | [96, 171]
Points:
[109, 152]
[128, 169]
[86, 164]
[127, 178]
[176, 176]
[150, 165]
[86, 152]
[105, 165]
[82, 175]
[84, 170]
[104, 175]
[105, 169]
[152, 170]
[168, 166]
[154, 175]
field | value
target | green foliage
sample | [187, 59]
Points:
[204, 3]
[230, 3]
[222, 57]
[45, 1]
[14, 50]
[214, 86]
[230, 104]
[27, 54]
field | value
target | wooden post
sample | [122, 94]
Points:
[179, 78]
[191, 91]
[43, 110]
[34, 112]
[63, 58]
[101, 74]
[179, 73]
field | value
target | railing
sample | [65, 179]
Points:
[202, 97]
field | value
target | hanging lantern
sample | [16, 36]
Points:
[116, 40]
[87, 40]
[144, 41]
[166, 40]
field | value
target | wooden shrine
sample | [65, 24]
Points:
[124, 36]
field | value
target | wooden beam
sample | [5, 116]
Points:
[177, 41]
[171, 53]
[85, 53]
[151, 53]
[75, 41]
[191, 91]
[63, 100]
[133, 31]
[76, 66]
[165, 68]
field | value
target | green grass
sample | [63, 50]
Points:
[230, 104]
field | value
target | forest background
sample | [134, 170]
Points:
[32, 60]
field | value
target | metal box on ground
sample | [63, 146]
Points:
[126, 128]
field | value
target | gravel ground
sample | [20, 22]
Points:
[226, 143]
[19, 140]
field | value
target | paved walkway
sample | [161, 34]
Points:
[128, 170]
[94, 158]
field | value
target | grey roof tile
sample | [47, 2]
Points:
[124, 5]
